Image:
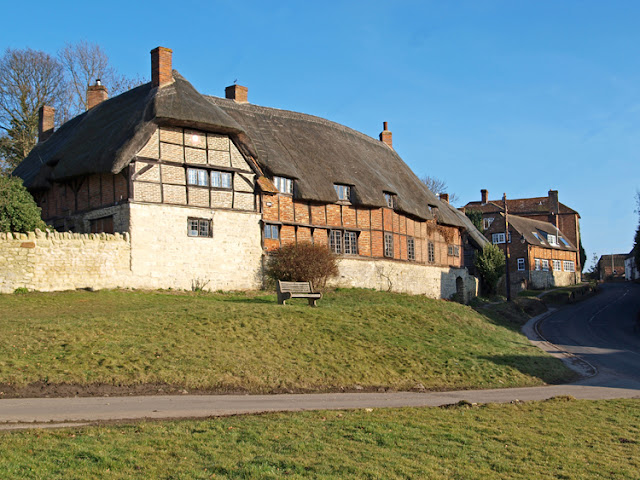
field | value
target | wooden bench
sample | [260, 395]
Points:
[287, 290]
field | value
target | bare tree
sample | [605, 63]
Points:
[84, 63]
[29, 79]
[438, 186]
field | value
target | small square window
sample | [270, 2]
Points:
[197, 176]
[271, 231]
[221, 179]
[199, 227]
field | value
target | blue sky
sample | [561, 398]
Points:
[517, 97]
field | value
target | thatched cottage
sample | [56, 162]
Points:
[205, 187]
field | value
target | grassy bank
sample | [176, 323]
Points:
[542, 440]
[356, 339]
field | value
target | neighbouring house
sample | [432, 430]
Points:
[611, 267]
[540, 255]
[631, 270]
[203, 188]
[545, 209]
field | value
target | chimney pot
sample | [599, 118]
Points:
[386, 136]
[96, 94]
[46, 118]
[161, 66]
[484, 193]
[444, 197]
[238, 93]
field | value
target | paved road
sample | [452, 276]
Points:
[599, 329]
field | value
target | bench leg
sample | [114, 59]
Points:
[312, 302]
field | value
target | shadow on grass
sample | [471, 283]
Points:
[256, 300]
[548, 369]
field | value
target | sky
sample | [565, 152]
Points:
[518, 97]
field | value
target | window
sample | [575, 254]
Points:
[486, 222]
[388, 245]
[557, 265]
[199, 227]
[343, 191]
[102, 225]
[390, 199]
[343, 242]
[569, 266]
[431, 252]
[545, 265]
[521, 264]
[335, 241]
[284, 185]
[411, 248]
[271, 231]
[197, 176]
[535, 234]
[453, 250]
[497, 238]
[350, 243]
[537, 260]
[220, 179]
[566, 244]
[552, 240]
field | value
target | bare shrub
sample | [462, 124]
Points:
[303, 262]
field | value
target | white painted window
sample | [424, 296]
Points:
[283, 184]
[569, 266]
[199, 227]
[497, 238]
[388, 245]
[221, 179]
[552, 240]
[486, 222]
[411, 248]
[557, 265]
[343, 191]
[521, 264]
[197, 176]
[545, 265]
[537, 264]
[350, 243]
[335, 241]
[271, 231]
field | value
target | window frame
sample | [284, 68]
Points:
[391, 199]
[569, 266]
[557, 265]
[499, 236]
[537, 264]
[554, 238]
[200, 223]
[197, 172]
[350, 242]
[222, 174]
[388, 245]
[285, 183]
[336, 244]
[431, 252]
[268, 230]
[411, 249]
[343, 191]
[521, 265]
[545, 264]
[486, 222]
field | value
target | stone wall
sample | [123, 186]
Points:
[540, 280]
[405, 277]
[63, 261]
[164, 256]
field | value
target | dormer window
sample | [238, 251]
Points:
[552, 240]
[283, 184]
[390, 199]
[343, 191]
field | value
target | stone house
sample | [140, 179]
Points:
[545, 209]
[631, 271]
[205, 187]
[540, 255]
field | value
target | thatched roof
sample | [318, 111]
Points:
[453, 214]
[107, 137]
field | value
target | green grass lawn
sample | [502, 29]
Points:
[556, 439]
[248, 343]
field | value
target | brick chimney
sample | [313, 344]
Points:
[444, 197]
[161, 68]
[385, 135]
[485, 195]
[554, 207]
[96, 94]
[238, 93]
[46, 117]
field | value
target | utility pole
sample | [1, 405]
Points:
[506, 242]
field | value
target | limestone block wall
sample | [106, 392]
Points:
[163, 255]
[405, 277]
[63, 261]
[542, 280]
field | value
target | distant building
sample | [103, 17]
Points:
[631, 270]
[611, 267]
